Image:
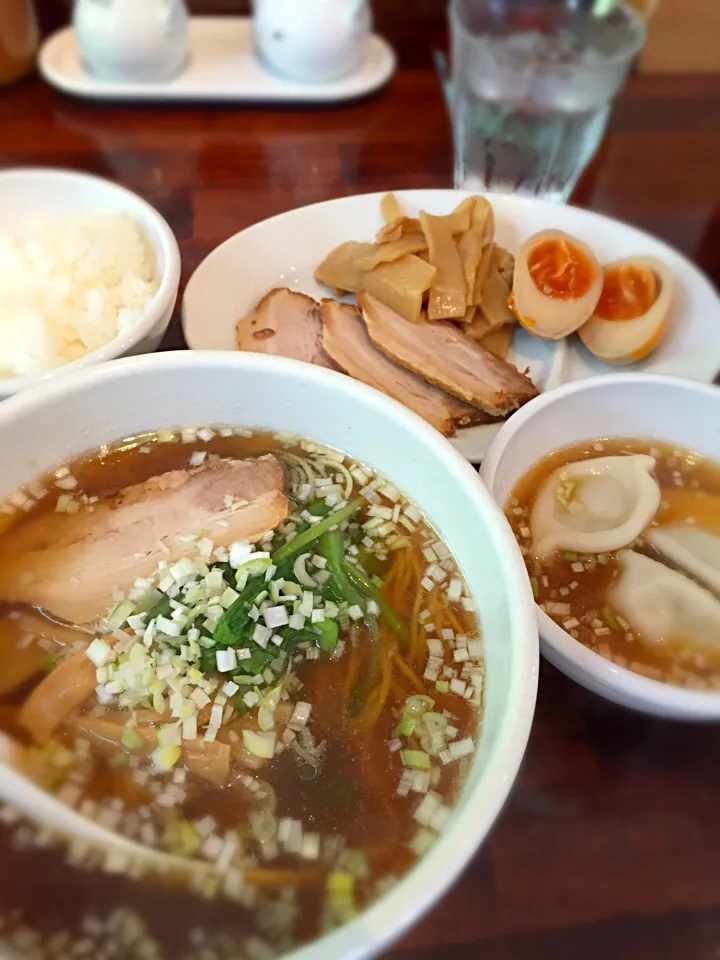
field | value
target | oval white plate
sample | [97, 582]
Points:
[284, 251]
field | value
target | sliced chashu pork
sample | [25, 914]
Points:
[71, 563]
[287, 324]
[445, 356]
[346, 340]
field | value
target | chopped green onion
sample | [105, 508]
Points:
[609, 618]
[120, 613]
[356, 863]
[318, 508]
[433, 735]
[341, 884]
[535, 586]
[300, 572]
[328, 634]
[161, 609]
[131, 739]
[417, 759]
[419, 703]
[302, 540]
[99, 652]
[422, 842]
[405, 727]
[261, 745]
[570, 555]
[147, 601]
[165, 758]
[182, 838]
[253, 567]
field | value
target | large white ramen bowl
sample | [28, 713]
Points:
[46, 426]
[30, 193]
[684, 414]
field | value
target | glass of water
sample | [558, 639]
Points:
[532, 86]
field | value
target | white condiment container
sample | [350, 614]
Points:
[313, 41]
[132, 40]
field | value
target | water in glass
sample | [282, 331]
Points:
[532, 93]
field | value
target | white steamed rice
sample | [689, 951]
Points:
[68, 286]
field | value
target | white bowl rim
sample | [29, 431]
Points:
[656, 696]
[166, 292]
[388, 917]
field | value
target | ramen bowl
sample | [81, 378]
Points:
[665, 409]
[74, 414]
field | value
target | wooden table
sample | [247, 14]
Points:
[610, 845]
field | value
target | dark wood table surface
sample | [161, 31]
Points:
[609, 848]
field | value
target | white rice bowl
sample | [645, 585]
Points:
[89, 271]
[69, 285]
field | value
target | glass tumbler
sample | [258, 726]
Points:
[532, 86]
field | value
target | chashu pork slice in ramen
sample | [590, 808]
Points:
[72, 563]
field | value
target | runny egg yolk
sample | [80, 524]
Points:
[560, 270]
[629, 290]
[512, 306]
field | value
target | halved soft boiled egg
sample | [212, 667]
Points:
[628, 321]
[556, 284]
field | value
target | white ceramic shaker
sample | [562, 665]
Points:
[132, 41]
[313, 41]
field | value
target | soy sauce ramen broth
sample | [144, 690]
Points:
[572, 588]
[372, 736]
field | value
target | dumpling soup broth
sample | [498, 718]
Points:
[621, 538]
[283, 681]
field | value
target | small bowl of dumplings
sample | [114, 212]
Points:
[612, 489]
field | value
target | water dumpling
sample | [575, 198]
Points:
[595, 506]
[664, 606]
[694, 550]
